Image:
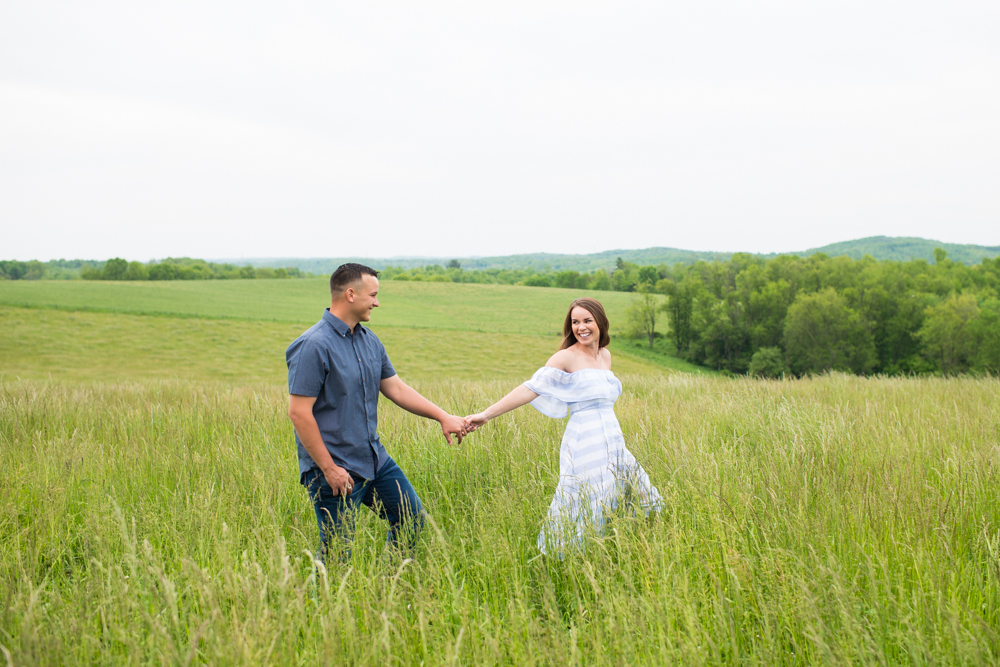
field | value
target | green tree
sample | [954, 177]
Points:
[641, 314]
[723, 341]
[538, 280]
[946, 335]
[35, 271]
[565, 279]
[621, 281]
[601, 281]
[454, 264]
[823, 333]
[768, 362]
[15, 270]
[10, 269]
[678, 307]
[136, 271]
[765, 313]
[163, 272]
[647, 274]
[115, 269]
[986, 329]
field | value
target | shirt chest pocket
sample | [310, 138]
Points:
[372, 363]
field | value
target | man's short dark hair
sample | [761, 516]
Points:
[349, 274]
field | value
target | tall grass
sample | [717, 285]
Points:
[836, 520]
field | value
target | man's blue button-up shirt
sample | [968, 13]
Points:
[342, 369]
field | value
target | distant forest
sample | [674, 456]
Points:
[180, 268]
[802, 315]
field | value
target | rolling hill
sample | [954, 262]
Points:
[880, 247]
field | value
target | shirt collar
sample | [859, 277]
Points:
[338, 324]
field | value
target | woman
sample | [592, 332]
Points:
[595, 468]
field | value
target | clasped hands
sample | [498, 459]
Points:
[461, 426]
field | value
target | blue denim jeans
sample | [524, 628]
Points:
[390, 494]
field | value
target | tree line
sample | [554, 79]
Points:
[14, 270]
[185, 268]
[172, 268]
[784, 315]
[622, 277]
[598, 279]
[794, 315]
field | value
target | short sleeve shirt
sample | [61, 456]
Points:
[343, 370]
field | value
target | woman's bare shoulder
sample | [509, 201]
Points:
[563, 360]
[606, 355]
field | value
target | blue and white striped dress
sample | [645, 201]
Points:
[596, 470]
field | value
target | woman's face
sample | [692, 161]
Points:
[584, 327]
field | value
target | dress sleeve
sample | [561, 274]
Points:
[545, 383]
[556, 388]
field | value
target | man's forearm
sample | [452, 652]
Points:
[410, 400]
[308, 432]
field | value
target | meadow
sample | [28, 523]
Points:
[150, 510]
[39, 343]
[489, 308]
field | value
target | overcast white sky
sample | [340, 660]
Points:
[224, 129]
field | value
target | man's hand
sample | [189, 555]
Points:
[407, 398]
[300, 412]
[339, 480]
[452, 424]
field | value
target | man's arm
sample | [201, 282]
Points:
[410, 400]
[301, 413]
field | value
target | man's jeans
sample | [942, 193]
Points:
[390, 494]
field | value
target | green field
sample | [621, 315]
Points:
[457, 313]
[489, 308]
[88, 346]
[150, 510]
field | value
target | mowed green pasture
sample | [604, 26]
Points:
[487, 308]
[827, 521]
[109, 347]
[456, 311]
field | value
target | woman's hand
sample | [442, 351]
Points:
[476, 420]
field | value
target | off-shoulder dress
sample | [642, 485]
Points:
[596, 470]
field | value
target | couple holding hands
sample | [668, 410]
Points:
[337, 368]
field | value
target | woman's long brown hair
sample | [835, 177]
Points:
[594, 307]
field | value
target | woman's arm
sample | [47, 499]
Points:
[519, 395]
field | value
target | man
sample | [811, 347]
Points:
[336, 370]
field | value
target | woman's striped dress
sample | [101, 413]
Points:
[596, 470]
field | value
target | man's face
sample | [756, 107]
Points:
[363, 297]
